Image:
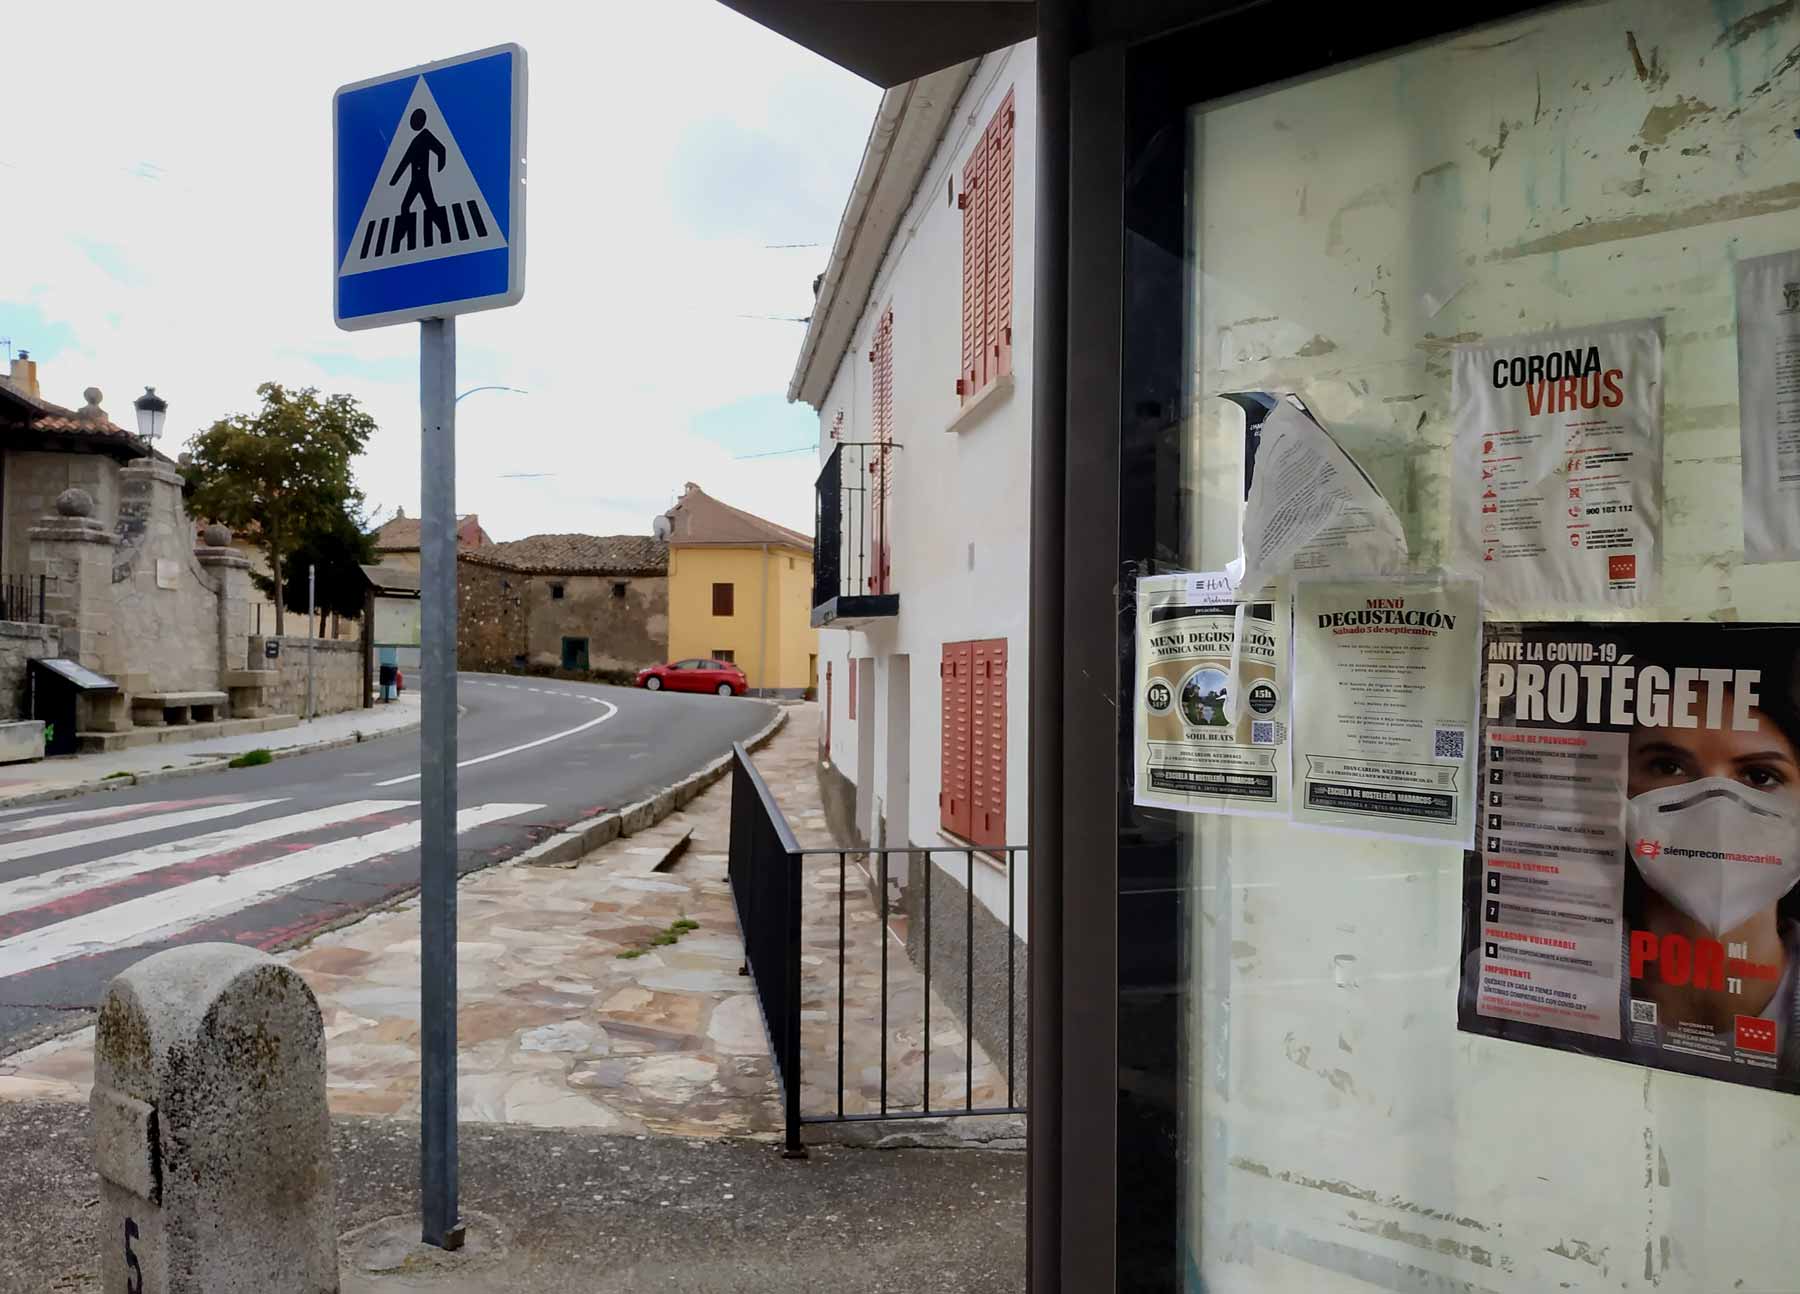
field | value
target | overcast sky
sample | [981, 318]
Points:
[165, 179]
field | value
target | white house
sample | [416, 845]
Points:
[916, 359]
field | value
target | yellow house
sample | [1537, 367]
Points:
[740, 589]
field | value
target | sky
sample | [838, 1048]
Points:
[166, 177]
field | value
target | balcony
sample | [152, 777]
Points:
[853, 584]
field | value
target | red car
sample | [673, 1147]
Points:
[719, 676]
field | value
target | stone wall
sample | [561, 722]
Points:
[33, 479]
[18, 644]
[503, 615]
[337, 674]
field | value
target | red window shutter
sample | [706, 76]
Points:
[956, 673]
[999, 198]
[987, 742]
[881, 464]
[968, 380]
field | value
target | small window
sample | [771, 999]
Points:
[790, 563]
[556, 592]
[619, 587]
[723, 599]
[729, 658]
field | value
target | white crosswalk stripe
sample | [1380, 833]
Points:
[134, 826]
[48, 887]
[168, 913]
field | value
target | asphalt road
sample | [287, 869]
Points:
[270, 855]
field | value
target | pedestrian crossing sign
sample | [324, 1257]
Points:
[429, 190]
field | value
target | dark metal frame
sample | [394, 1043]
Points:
[23, 598]
[847, 538]
[767, 871]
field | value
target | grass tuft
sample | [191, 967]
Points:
[252, 759]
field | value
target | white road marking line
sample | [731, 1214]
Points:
[116, 830]
[81, 815]
[47, 887]
[611, 710]
[156, 917]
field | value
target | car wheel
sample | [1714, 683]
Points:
[724, 689]
[653, 683]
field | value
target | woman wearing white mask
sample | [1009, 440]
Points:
[1713, 833]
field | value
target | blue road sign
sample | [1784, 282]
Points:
[428, 190]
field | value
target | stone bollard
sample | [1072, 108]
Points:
[211, 1134]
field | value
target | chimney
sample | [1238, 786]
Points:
[24, 373]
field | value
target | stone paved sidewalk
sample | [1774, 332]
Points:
[559, 1028]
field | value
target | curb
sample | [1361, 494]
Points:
[566, 847]
[51, 793]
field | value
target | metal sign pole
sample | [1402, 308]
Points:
[312, 595]
[437, 767]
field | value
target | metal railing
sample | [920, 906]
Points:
[22, 598]
[852, 521]
[769, 877]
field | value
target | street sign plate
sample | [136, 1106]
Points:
[428, 190]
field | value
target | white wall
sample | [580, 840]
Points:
[961, 501]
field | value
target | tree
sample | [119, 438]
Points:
[281, 473]
[337, 550]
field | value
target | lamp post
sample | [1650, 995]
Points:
[472, 390]
[151, 410]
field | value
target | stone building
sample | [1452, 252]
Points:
[397, 542]
[586, 603]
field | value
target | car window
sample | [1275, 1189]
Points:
[687, 664]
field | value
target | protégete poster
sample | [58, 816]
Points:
[1556, 465]
[1384, 705]
[1631, 894]
[1310, 507]
[1768, 339]
[1210, 737]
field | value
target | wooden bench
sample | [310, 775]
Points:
[154, 709]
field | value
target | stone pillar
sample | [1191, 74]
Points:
[75, 554]
[211, 1133]
[248, 685]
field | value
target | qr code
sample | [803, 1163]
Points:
[1643, 1012]
[1448, 743]
[1267, 732]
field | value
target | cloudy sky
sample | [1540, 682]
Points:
[165, 174]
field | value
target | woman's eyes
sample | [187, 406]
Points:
[1761, 776]
[1665, 766]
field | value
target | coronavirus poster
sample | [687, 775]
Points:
[1556, 471]
[1632, 890]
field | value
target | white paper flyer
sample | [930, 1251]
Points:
[1210, 723]
[1383, 713]
[1556, 467]
[1311, 507]
[1768, 339]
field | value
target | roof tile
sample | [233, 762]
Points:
[577, 555]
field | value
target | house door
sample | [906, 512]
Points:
[575, 653]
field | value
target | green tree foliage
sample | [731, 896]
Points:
[338, 550]
[280, 474]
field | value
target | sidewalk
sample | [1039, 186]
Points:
[557, 1211]
[572, 1015]
[55, 779]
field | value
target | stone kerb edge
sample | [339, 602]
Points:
[640, 815]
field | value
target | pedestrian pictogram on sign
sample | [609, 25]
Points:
[430, 190]
[425, 204]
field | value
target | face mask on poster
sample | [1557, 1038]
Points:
[1680, 836]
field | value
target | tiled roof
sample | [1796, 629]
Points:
[392, 579]
[701, 519]
[577, 555]
[401, 535]
[21, 410]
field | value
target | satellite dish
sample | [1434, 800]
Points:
[662, 527]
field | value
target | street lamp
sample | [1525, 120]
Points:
[472, 390]
[151, 410]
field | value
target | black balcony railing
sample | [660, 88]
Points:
[770, 877]
[853, 578]
[22, 598]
